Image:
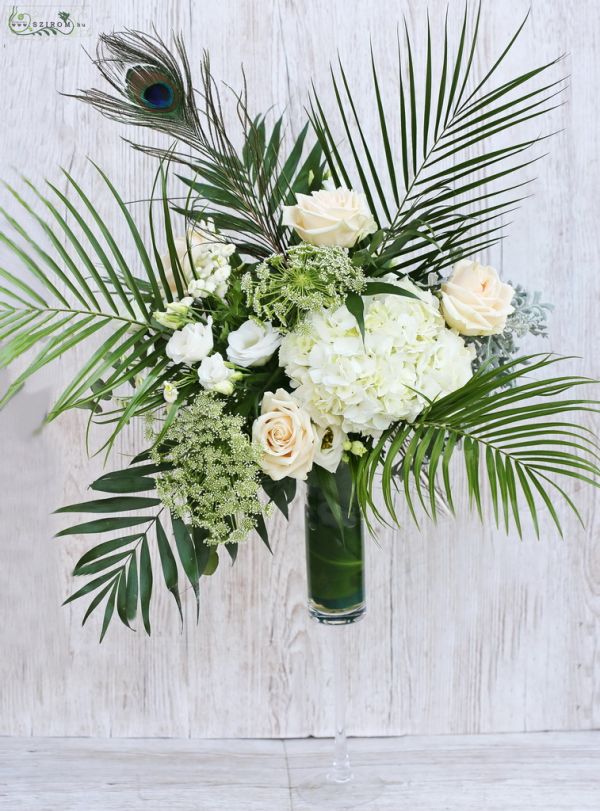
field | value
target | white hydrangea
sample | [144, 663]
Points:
[408, 355]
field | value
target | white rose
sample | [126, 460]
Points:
[252, 344]
[191, 344]
[215, 375]
[285, 435]
[330, 446]
[331, 217]
[475, 301]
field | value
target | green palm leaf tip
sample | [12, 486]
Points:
[458, 185]
[515, 437]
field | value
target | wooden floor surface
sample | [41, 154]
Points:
[531, 772]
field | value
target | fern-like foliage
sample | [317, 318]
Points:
[513, 441]
[434, 199]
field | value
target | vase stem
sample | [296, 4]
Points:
[341, 771]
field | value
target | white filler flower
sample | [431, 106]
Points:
[191, 344]
[331, 217]
[364, 387]
[253, 344]
[204, 258]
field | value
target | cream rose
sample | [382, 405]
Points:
[330, 217]
[285, 435]
[475, 301]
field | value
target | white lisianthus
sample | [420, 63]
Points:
[329, 447]
[215, 375]
[475, 301]
[253, 344]
[331, 217]
[203, 256]
[191, 344]
[285, 435]
[169, 392]
[407, 355]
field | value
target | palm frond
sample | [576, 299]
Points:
[74, 289]
[121, 568]
[513, 440]
[440, 129]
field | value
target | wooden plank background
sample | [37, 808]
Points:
[468, 630]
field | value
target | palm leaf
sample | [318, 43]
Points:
[59, 298]
[438, 134]
[509, 439]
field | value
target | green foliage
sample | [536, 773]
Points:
[511, 440]
[77, 289]
[121, 568]
[455, 185]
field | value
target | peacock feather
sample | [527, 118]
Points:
[153, 84]
[240, 190]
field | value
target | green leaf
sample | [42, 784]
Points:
[100, 564]
[356, 307]
[108, 612]
[186, 551]
[145, 584]
[263, 533]
[105, 525]
[169, 566]
[212, 563]
[109, 505]
[132, 590]
[377, 288]
[123, 484]
[106, 548]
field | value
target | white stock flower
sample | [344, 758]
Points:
[330, 446]
[285, 435]
[215, 375]
[364, 387]
[253, 343]
[191, 344]
[475, 301]
[209, 262]
[331, 217]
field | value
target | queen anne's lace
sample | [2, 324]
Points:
[284, 288]
[214, 480]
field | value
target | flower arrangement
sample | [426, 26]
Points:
[306, 309]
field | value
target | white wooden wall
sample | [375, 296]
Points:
[468, 630]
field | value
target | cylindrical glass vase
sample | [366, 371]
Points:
[334, 548]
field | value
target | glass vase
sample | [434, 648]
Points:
[336, 597]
